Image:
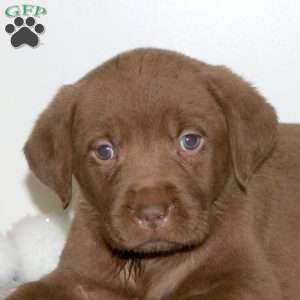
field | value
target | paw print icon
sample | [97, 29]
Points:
[24, 32]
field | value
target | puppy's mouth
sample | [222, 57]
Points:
[154, 248]
[158, 241]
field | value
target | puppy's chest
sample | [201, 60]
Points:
[163, 286]
[159, 282]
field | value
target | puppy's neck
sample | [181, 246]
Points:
[153, 276]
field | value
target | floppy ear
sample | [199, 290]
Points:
[251, 121]
[48, 149]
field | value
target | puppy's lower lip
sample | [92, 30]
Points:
[157, 245]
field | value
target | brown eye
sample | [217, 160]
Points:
[190, 142]
[105, 152]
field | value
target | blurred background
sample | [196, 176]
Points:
[259, 40]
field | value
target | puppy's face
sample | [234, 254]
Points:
[151, 156]
[152, 136]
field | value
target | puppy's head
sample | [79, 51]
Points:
[152, 138]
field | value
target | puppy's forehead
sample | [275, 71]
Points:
[139, 90]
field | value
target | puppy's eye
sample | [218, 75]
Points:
[190, 141]
[105, 152]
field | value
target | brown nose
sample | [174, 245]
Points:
[152, 215]
[150, 206]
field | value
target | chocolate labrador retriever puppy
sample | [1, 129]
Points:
[190, 187]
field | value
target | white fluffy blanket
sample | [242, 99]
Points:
[31, 249]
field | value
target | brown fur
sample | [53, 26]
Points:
[233, 207]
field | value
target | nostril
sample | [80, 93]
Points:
[151, 216]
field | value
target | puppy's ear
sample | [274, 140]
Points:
[251, 121]
[48, 149]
